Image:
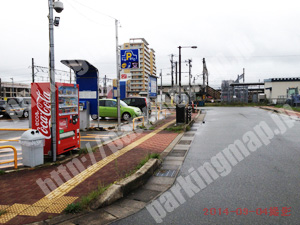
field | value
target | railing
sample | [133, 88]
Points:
[163, 110]
[15, 155]
[140, 117]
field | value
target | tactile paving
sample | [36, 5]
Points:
[65, 200]
[55, 208]
[33, 211]
[17, 208]
[7, 217]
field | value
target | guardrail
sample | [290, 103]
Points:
[140, 117]
[15, 155]
[156, 107]
[163, 110]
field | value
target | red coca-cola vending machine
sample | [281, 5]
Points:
[67, 115]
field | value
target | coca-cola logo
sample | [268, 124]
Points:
[43, 118]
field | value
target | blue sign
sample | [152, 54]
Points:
[152, 87]
[87, 78]
[130, 59]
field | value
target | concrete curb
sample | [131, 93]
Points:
[125, 186]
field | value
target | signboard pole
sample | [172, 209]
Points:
[161, 89]
[118, 77]
[147, 110]
[52, 81]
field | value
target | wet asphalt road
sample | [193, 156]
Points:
[268, 177]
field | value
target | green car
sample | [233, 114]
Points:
[108, 108]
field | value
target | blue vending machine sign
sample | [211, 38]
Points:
[130, 59]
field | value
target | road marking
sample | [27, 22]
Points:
[3, 140]
[105, 135]
[88, 140]
[16, 139]
[15, 129]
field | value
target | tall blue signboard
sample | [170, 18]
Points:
[87, 78]
[152, 86]
[130, 58]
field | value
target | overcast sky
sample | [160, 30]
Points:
[261, 36]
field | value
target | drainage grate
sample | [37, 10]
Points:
[184, 142]
[166, 173]
[193, 129]
[177, 153]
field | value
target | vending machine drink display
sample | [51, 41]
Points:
[67, 115]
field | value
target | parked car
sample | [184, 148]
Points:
[20, 105]
[4, 109]
[140, 102]
[7, 110]
[108, 108]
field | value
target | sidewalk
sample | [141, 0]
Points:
[25, 202]
[281, 110]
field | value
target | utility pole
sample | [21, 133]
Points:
[161, 89]
[172, 79]
[104, 89]
[205, 78]
[147, 110]
[179, 75]
[243, 75]
[190, 66]
[176, 79]
[32, 69]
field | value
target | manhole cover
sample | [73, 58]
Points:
[184, 142]
[166, 173]
[188, 135]
[177, 153]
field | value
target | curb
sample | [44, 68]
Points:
[124, 187]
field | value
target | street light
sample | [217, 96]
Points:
[12, 87]
[58, 7]
[180, 68]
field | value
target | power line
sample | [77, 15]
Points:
[94, 10]
[255, 56]
[85, 15]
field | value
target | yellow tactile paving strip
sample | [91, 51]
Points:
[56, 202]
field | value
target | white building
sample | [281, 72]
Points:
[276, 88]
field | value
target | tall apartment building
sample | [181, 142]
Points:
[139, 76]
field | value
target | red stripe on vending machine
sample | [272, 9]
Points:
[67, 115]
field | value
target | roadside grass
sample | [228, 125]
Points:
[84, 202]
[2, 172]
[297, 109]
[149, 156]
[177, 129]
[2, 212]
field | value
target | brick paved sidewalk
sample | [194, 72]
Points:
[25, 202]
